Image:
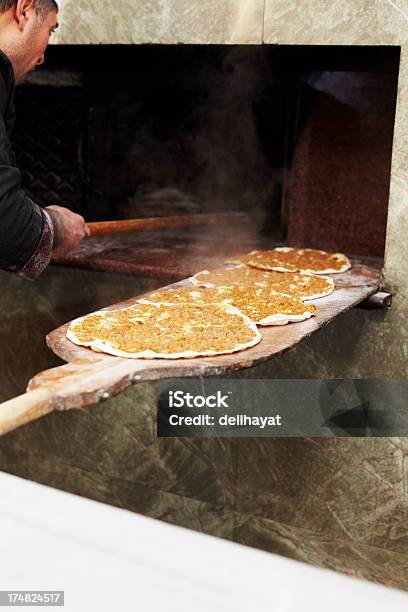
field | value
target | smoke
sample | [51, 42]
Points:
[203, 141]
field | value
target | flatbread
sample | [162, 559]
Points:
[166, 331]
[240, 259]
[262, 305]
[300, 285]
[287, 259]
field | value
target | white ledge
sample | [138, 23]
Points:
[109, 559]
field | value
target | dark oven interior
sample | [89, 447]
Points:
[300, 138]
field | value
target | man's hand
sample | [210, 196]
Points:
[69, 229]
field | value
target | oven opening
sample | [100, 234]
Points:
[297, 137]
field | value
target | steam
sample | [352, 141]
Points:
[214, 156]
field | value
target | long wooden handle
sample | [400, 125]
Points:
[99, 228]
[74, 385]
[24, 408]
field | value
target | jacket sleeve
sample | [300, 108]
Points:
[25, 231]
[40, 259]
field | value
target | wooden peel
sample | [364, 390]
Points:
[91, 377]
[100, 228]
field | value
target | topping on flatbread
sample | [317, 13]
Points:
[300, 285]
[166, 331]
[286, 259]
[240, 259]
[262, 305]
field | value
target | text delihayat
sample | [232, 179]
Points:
[254, 421]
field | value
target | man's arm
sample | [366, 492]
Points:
[40, 259]
[61, 230]
[28, 235]
[21, 221]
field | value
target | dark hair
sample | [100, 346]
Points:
[42, 7]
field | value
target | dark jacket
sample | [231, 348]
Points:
[25, 230]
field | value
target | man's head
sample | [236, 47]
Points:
[25, 29]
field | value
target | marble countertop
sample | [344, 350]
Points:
[105, 558]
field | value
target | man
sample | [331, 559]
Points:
[28, 234]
